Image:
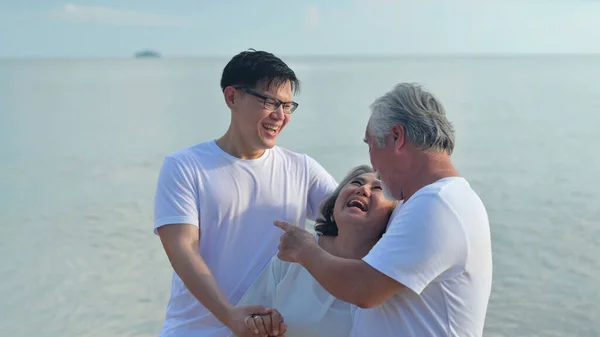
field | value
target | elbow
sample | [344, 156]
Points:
[363, 305]
[366, 305]
[367, 302]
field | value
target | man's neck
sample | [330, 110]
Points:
[235, 146]
[427, 168]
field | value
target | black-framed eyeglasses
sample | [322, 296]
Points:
[271, 103]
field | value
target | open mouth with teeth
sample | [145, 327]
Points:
[271, 128]
[356, 203]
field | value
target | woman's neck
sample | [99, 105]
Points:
[350, 245]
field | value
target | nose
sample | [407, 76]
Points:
[364, 190]
[278, 113]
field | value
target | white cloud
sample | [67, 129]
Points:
[111, 16]
[312, 18]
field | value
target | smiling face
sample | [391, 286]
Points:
[254, 118]
[362, 202]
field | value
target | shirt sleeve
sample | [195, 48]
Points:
[321, 185]
[176, 197]
[424, 242]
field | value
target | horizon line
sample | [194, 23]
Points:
[306, 56]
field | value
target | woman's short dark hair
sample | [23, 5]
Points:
[325, 223]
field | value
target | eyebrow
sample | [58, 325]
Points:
[374, 182]
[377, 182]
[267, 96]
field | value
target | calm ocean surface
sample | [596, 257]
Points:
[81, 143]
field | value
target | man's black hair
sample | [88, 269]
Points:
[253, 68]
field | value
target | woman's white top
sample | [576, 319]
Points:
[307, 308]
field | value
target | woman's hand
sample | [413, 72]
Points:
[266, 324]
[237, 320]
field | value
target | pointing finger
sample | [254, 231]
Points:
[282, 224]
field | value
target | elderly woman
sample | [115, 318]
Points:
[352, 220]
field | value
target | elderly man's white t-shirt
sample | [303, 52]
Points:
[438, 246]
[307, 308]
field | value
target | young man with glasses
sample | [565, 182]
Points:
[215, 202]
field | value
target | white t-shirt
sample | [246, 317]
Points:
[437, 245]
[307, 308]
[235, 202]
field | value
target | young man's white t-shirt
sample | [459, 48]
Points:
[437, 245]
[234, 202]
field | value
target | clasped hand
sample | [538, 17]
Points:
[256, 321]
[266, 325]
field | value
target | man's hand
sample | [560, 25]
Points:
[294, 243]
[238, 317]
[271, 324]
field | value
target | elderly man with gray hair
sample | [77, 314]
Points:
[430, 274]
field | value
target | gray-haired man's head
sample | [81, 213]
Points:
[420, 113]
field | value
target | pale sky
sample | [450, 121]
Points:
[118, 28]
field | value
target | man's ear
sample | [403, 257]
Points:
[229, 96]
[398, 133]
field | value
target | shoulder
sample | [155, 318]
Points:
[195, 151]
[292, 155]
[451, 200]
[430, 212]
[422, 203]
[302, 160]
[289, 154]
[445, 195]
[192, 156]
[451, 190]
[443, 186]
[446, 210]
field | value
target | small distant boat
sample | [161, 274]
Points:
[146, 54]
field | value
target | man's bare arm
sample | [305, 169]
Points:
[180, 242]
[352, 281]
